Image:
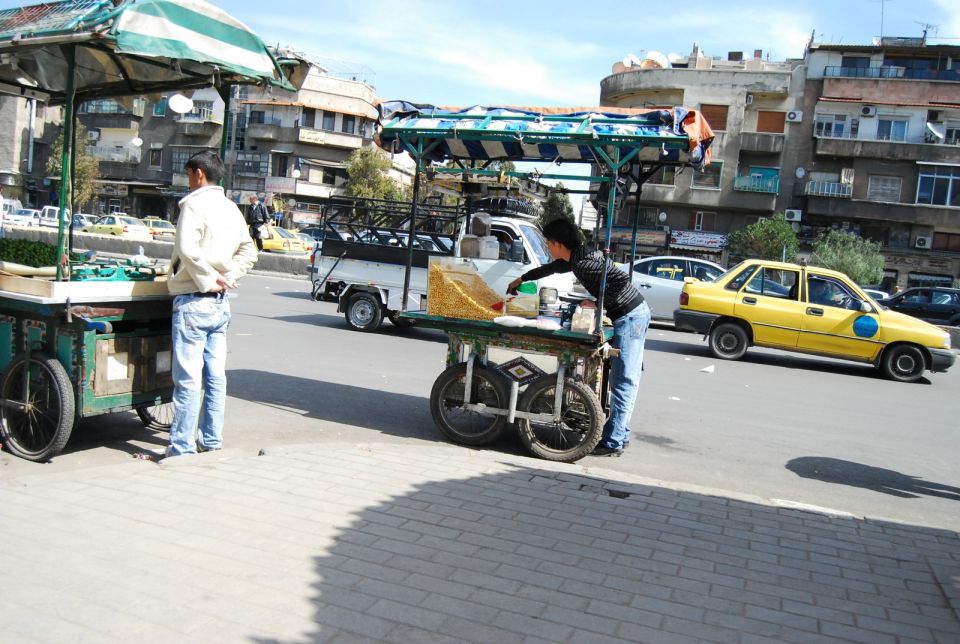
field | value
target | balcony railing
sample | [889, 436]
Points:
[266, 120]
[116, 154]
[201, 115]
[108, 106]
[892, 72]
[757, 184]
[826, 189]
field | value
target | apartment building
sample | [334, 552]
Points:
[881, 141]
[30, 129]
[751, 104]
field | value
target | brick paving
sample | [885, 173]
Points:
[438, 543]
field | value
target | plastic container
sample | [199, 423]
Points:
[470, 246]
[524, 306]
[489, 247]
[480, 224]
[582, 320]
[530, 288]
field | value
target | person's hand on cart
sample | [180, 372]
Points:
[513, 286]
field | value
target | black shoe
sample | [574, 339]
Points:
[600, 450]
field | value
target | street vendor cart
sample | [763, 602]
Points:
[559, 415]
[97, 337]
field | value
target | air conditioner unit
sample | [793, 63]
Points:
[748, 100]
[923, 242]
[868, 110]
[793, 214]
[794, 116]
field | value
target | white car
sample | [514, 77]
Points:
[660, 280]
[48, 216]
[23, 217]
[875, 294]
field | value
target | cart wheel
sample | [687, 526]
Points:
[363, 312]
[399, 322]
[581, 423]
[156, 416]
[37, 407]
[461, 425]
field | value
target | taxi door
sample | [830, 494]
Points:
[769, 301]
[833, 322]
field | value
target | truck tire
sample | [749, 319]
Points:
[363, 312]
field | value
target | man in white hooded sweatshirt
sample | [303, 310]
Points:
[212, 250]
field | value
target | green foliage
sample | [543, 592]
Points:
[764, 239]
[843, 251]
[368, 176]
[557, 206]
[28, 252]
[86, 168]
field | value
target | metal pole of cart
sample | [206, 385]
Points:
[65, 159]
[418, 157]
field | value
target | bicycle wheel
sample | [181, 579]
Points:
[156, 416]
[37, 407]
[580, 426]
[462, 425]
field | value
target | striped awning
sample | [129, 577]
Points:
[678, 135]
[137, 47]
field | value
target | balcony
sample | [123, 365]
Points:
[770, 185]
[115, 153]
[331, 139]
[200, 122]
[768, 142]
[825, 189]
[887, 150]
[832, 71]
[863, 210]
[269, 130]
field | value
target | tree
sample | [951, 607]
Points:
[86, 168]
[765, 239]
[843, 251]
[368, 176]
[557, 206]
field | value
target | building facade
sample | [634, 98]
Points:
[30, 129]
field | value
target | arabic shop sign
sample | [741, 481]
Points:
[697, 238]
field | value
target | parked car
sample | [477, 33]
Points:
[160, 229]
[933, 304]
[126, 227]
[80, 220]
[49, 214]
[822, 312]
[660, 280]
[281, 240]
[22, 217]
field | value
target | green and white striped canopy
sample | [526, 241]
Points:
[136, 47]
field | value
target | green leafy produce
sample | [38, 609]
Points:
[29, 252]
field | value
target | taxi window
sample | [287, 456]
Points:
[826, 291]
[737, 282]
[774, 283]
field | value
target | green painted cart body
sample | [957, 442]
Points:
[62, 361]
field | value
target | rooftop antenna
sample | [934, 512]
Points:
[927, 27]
[882, 6]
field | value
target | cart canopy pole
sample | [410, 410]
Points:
[65, 157]
[418, 157]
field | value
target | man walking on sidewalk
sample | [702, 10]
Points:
[211, 251]
[257, 218]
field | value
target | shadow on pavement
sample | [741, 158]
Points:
[878, 479]
[521, 553]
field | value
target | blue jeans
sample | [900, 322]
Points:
[629, 335]
[199, 372]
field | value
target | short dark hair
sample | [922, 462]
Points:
[208, 161]
[564, 232]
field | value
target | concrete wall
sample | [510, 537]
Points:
[295, 265]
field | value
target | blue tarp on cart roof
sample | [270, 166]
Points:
[676, 135]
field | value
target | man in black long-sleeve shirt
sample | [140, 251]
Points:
[624, 306]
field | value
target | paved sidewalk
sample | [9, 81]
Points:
[439, 543]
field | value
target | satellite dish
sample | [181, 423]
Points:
[619, 68]
[634, 60]
[291, 203]
[675, 58]
[939, 129]
[627, 62]
[800, 172]
[180, 103]
[136, 141]
[655, 60]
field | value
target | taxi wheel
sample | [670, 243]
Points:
[903, 363]
[728, 341]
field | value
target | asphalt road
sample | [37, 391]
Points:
[775, 425]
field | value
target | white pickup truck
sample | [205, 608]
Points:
[361, 262]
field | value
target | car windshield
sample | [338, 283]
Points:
[25, 211]
[130, 221]
[160, 223]
[538, 242]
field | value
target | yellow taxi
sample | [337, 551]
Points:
[281, 240]
[160, 229]
[120, 225]
[809, 310]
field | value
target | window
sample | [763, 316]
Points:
[668, 269]
[939, 185]
[716, 115]
[252, 163]
[160, 107]
[702, 220]
[855, 62]
[257, 117]
[826, 291]
[771, 121]
[774, 283]
[835, 125]
[156, 158]
[329, 121]
[180, 155]
[890, 129]
[664, 176]
[309, 117]
[348, 125]
[709, 177]
[946, 241]
[881, 188]
[329, 176]
[737, 282]
[952, 135]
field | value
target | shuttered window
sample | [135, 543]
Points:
[770, 121]
[881, 188]
[709, 177]
[716, 116]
